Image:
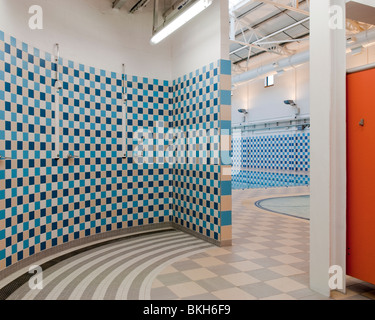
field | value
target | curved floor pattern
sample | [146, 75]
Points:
[296, 206]
[123, 270]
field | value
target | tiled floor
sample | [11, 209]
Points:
[122, 269]
[269, 259]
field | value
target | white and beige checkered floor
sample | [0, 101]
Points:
[269, 259]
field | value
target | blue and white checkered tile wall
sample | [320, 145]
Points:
[46, 202]
[196, 173]
[277, 152]
[247, 179]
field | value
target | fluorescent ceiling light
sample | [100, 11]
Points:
[193, 10]
[356, 50]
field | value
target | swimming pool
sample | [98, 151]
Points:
[295, 206]
[248, 179]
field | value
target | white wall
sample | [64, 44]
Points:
[268, 103]
[202, 40]
[92, 33]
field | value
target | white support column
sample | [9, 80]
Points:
[328, 141]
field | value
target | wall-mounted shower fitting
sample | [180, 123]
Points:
[4, 158]
[124, 106]
[71, 156]
[296, 109]
[58, 86]
[58, 83]
[244, 112]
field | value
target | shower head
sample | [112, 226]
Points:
[244, 111]
[296, 109]
[290, 103]
[58, 85]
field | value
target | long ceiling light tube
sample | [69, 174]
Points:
[186, 15]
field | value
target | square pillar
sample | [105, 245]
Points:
[328, 141]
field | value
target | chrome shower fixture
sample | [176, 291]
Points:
[58, 84]
[244, 111]
[71, 156]
[294, 106]
[290, 102]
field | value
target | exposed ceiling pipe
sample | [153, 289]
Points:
[361, 39]
[291, 61]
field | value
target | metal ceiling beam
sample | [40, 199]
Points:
[255, 26]
[284, 41]
[351, 25]
[138, 5]
[274, 47]
[257, 43]
[240, 5]
[262, 52]
[284, 6]
[250, 45]
[284, 29]
[244, 3]
[363, 38]
[117, 4]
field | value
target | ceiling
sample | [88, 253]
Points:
[278, 26]
[131, 6]
[360, 12]
[252, 21]
[262, 26]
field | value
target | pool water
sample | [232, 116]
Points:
[296, 206]
[247, 179]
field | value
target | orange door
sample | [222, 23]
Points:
[361, 175]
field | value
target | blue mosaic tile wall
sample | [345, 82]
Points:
[46, 202]
[277, 152]
[196, 171]
[247, 179]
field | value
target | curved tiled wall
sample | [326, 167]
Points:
[45, 203]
